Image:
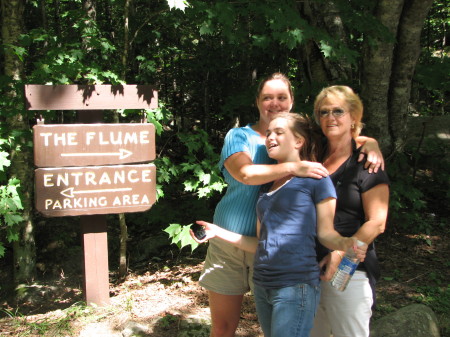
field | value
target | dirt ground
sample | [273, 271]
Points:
[162, 298]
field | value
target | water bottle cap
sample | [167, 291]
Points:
[360, 243]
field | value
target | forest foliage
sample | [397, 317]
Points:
[206, 58]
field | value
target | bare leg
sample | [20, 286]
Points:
[225, 314]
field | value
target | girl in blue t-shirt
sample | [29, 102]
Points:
[291, 213]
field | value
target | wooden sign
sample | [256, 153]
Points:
[93, 144]
[95, 190]
[90, 97]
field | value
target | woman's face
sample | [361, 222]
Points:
[335, 118]
[281, 143]
[274, 98]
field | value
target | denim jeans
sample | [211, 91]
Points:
[287, 312]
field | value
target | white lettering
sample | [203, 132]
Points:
[62, 179]
[146, 176]
[104, 179]
[130, 138]
[119, 176]
[47, 180]
[132, 173]
[93, 178]
[71, 138]
[77, 176]
[90, 178]
[145, 200]
[57, 139]
[89, 136]
[46, 137]
[144, 137]
[117, 140]
[102, 141]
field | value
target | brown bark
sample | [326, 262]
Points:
[89, 8]
[21, 155]
[406, 57]
[326, 17]
[122, 220]
[376, 74]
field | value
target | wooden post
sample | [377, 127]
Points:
[95, 259]
[94, 238]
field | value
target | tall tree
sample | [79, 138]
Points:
[22, 154]
[388, 70]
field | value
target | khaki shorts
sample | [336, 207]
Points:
[228, 270]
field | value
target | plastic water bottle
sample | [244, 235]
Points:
[346, 268]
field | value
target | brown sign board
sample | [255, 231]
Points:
[69, 191]
[90, 97]
[93, 144]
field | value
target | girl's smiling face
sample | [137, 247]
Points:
[281, 143]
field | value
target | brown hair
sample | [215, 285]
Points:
[352, 100]
[304, 127]
[275, 76]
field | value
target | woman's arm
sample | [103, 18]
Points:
[242, 168]
[375, 203]
[369, 147]
[247, 243]
[326, 233]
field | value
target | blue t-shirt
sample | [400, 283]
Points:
[236, 211]
[286, 253]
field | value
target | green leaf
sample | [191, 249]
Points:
[173, 229]
[178, 4]
[4, 161]
[180, 236]
[12, 219]
[206, 28]
[327, 50]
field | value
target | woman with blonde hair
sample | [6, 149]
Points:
[361, 212]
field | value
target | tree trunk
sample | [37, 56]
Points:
[319, 69]
[122, 220]
[22, 155]
[91, 13]
[376, 75]
[406, 56]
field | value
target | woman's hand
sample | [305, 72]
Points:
[209, 229]
[360, 248]
[375, 158]
[331, 263]
[310, 169]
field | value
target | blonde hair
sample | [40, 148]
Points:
[351, 99]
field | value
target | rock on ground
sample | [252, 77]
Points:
[416, 320]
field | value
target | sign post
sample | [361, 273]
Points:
[84, 169]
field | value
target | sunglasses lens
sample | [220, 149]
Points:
[338, 112]
[335, 112]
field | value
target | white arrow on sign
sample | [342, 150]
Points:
[122, 154]
[69, 192]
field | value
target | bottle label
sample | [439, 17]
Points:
[347, 266]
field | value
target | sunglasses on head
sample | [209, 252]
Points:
[336, 112]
